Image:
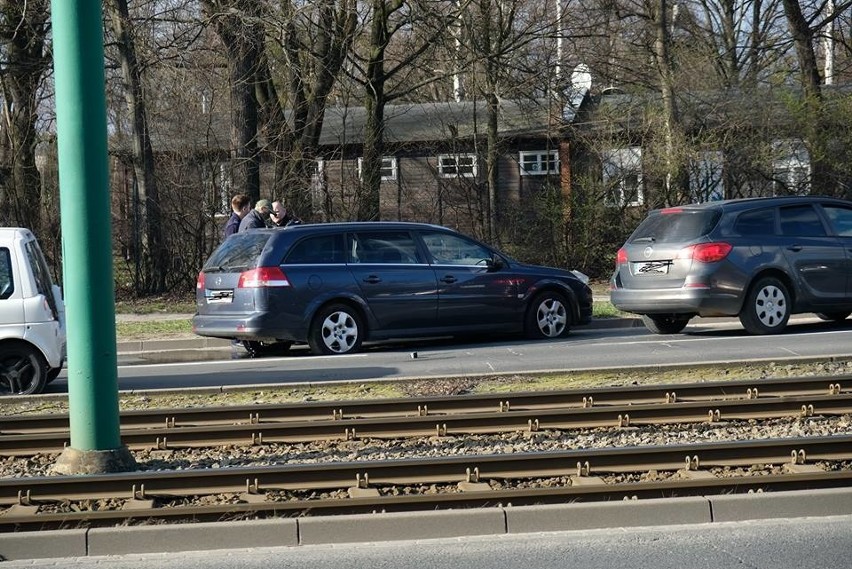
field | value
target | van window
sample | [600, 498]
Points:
[7, 285]
[41, 275]
[317, 250]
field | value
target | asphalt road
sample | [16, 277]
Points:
[708, 341]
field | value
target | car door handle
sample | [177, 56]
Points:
[794, 248]
[372, 279]
[449, 279]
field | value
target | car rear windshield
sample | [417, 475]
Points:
[675, 225]
[238, 253]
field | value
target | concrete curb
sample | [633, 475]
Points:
[363, 528]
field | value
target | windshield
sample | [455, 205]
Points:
[675, 225]
[238, 253]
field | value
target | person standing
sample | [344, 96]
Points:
[281, 217]
[257, 217]
[240, 206]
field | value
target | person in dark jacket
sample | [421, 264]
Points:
[281, 217]
[258, 217]
[240, 206]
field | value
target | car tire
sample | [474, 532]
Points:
[833, 316]
[52, 374]
[548, 317]
[665, 323]
[23, 370]
[257, 349]
[767, 307]
[336, 329]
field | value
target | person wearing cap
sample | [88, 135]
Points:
[257, 217]
[240, 206]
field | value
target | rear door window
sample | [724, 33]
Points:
[675, 225]
[801, 221]
[317, 250]
[758, 222]
[237, 253]
[7, 283]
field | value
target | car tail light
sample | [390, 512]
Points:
[199, 283]
[263, 277]
[621, 257]
[706, 252]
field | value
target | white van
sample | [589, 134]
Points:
[32, 316]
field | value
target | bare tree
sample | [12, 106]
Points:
[313, 41]
[239, 25]
[154, 255]
[390, 19]
[24, 59]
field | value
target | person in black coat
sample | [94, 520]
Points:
[257, 217]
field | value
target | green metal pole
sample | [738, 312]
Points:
[78, 59]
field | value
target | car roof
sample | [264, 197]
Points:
[361, 225]
[748, 203]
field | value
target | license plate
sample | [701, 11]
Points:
[219, 297]
[651, 268]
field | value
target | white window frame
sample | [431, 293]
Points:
[543, 162]
[792, 165]
[450, 164]
[619, 167]
[389, 168]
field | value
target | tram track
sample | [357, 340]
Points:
[163, 429]
[234, 490]
[811, 462]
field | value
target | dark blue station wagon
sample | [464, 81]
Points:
[336, 285]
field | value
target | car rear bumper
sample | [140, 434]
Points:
[260, 327]
[700, 301]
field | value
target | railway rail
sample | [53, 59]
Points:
[445, 416]
[468, 481]
[699, 469]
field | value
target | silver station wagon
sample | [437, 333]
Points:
[761, 259]
[335, 285]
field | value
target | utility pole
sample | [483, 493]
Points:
[78, 60]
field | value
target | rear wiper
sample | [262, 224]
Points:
[644, 240]
[223, 269]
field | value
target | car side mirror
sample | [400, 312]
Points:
[495, 263]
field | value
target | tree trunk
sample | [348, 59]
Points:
[237, 25]
[822, 174]
[154, 254]
[23, 29]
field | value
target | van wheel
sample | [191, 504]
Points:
[53, 373]
[767, 307]
[266, 349]
[23, 370]
[336, 329]
[833, 316]
[548, 316]
[665, 323]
